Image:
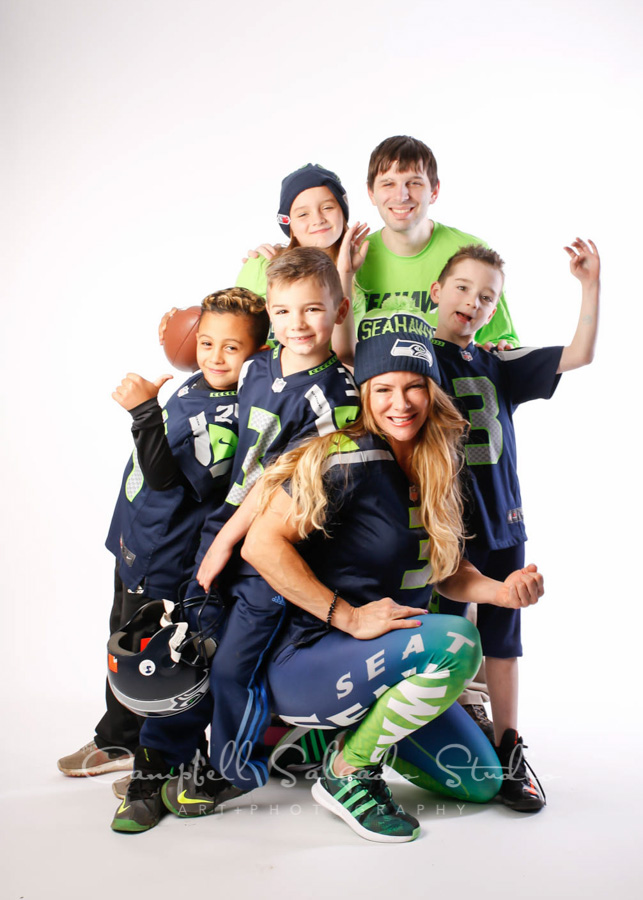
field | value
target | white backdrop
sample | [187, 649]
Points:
[144, 144]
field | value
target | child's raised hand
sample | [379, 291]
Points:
[134, 390]
[353, 250]
[585, 263]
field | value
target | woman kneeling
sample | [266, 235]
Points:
[355, 529]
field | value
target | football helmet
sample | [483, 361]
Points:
[157, 665]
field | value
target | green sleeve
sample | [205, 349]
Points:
[500, 327]
[253, 275]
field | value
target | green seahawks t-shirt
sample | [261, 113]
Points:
[388, 283]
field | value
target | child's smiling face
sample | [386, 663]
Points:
[303, 315]
[316, 218]
[223, 343]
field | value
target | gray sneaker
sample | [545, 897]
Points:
[120, 786]
[91, 760]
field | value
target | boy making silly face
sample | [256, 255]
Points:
[304, 304]
[467, 295]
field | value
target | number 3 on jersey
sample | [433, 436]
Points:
[484, 419]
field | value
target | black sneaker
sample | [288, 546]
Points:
[364, 802]
[518, 791]
[142, 807]
[197, 791]
[479, 715]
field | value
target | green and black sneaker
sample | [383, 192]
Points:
[302, 750]
[198, 791]
[142, 807]
[363, 800]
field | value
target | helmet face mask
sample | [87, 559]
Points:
[158, 665]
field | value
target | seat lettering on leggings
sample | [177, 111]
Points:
[344, 686]
[376, 665]
[459, 640]
[415, 645]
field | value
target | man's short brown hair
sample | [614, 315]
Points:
[409, 154]
[303, 263]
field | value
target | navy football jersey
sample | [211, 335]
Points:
[154, 532]
[275, 413]
[377, 546]
[487, 388]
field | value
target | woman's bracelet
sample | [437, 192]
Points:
[331, 610]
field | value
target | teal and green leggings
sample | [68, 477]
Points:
[396, 695]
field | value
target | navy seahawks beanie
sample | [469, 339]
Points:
[309, 176]
[395, 352]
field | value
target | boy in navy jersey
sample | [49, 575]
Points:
[488, 387]
[294, 390]
[182, 457]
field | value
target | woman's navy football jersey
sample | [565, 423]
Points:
[377, 546]
[487, 388]
[154, 533]
[275, 413]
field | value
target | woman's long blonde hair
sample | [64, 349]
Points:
[436, 464]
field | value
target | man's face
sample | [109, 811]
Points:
[403, 198]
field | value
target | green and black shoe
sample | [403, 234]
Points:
[198, 791]
[363, 800]
[142, 807]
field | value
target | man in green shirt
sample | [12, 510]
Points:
[408, 254]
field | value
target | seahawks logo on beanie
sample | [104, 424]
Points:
[414, 349]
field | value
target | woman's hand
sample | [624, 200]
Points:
[163, 324]
[521, 588]
[134, 389]
[379, 617]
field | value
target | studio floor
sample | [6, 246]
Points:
[276, 842]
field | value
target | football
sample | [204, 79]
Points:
[180, 338]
